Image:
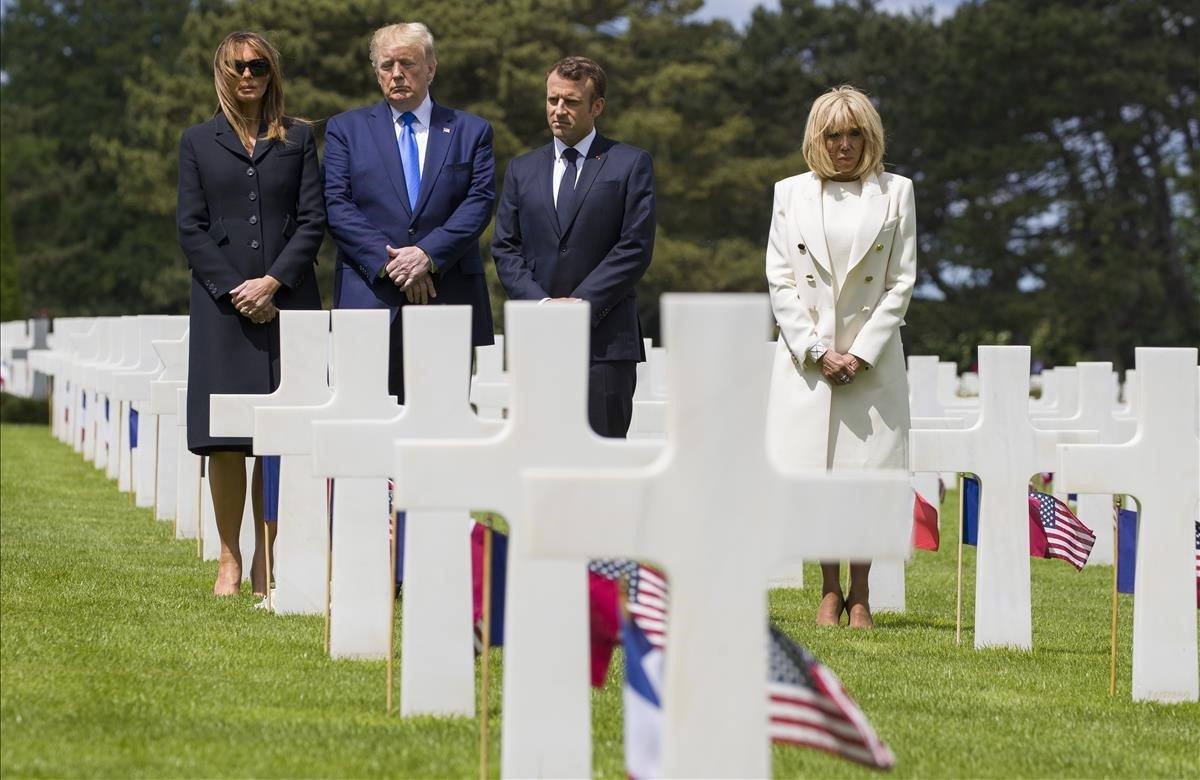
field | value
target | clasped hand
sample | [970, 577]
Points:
[410, 269]
[254, 298]
[839, 368]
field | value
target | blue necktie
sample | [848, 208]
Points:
[566, 187]
[410, 158]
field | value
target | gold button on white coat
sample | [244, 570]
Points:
[879, 247]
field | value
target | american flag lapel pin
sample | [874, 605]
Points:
[446, 130]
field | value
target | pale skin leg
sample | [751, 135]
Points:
[857, 604]
[227, 478]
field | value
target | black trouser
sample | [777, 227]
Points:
[610, 397]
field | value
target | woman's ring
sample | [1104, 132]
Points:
[844, 378]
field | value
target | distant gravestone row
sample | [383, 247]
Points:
[692, 489]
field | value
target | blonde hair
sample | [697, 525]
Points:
[402, 34]
[840, 109]
[226, 79]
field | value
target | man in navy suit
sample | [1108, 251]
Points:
[409, 188]
[576, 223]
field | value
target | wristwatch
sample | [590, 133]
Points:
[816, 351]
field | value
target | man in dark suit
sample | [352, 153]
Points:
[409, 188]
[576, 223]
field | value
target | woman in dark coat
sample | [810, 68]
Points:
[251, 217]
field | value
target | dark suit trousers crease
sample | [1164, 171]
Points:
[610, 396]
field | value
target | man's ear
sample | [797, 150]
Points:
[597, 107]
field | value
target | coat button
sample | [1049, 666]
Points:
[870, 279]
[249, 171]
[412, 231]
[253, 195]
[254, 221]
[562, 250]
[879, 247]
[801, 248]
[254, 244]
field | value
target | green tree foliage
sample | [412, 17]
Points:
[1055, 145]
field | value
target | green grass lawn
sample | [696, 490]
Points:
[115, 661]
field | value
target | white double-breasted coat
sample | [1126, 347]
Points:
[811, 423]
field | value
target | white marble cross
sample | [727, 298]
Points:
[489, 383]
[1093, 402]
[717, 513]
[437, 676]
[547, 727]
[187, 476]
[164, 395]
[362, 589]
[1004, 450]
[1160, 467]
[1067, 402]
[133, 387]
[302, 541]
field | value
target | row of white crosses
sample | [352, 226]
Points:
[112, 362]
[1159, 465]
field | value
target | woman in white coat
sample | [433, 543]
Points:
[841, 262]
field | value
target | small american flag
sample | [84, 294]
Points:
[645, 596]
[1066, 537]
[808, 706]
[1198, 565]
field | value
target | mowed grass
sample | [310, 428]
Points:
[116, 662]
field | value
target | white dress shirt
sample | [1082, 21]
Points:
[560, 165]
[420, 127]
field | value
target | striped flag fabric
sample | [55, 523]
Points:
[1065, 536]
[806, 702]
[645, 594]
[1198, 565]
[808, 706]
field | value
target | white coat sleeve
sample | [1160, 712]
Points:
[795, 321]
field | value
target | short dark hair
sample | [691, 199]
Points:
[579, 69]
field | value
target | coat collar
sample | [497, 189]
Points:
[811, 219]
[228, 137]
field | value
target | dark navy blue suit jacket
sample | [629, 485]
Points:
[599, 255]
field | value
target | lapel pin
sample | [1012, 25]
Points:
[445, 130]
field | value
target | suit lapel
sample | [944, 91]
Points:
[228, 138]
[437, 143]
[874, 210]
[261, 146]
[546, 173]
[591, 167]
[811, 220]
[380, 121]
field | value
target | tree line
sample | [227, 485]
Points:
[1055, 146]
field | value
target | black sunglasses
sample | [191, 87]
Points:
[258, 68]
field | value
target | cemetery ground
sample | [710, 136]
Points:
[116, 661]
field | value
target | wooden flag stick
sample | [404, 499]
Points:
[1112, 653]
[267, 562]
[485, 652]
[958, 579]
[391, 618]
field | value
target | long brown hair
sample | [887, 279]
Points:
[226, 78]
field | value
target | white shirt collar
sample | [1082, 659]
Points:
[422, 112]
[583, 147]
